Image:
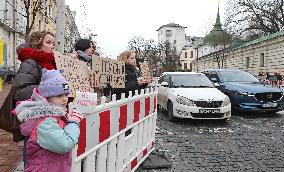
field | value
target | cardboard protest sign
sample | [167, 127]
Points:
[75, 72]
[85, 102]
[105, 70]
[145, 71]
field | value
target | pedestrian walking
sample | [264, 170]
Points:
[133, 79]
[51, 133]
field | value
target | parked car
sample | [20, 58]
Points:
[246, 92]
[191, 95]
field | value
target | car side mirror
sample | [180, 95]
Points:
[164, 84]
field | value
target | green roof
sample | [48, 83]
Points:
[257, 41]
[218, 25]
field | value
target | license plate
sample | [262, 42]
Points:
[269, 105]
[209, 110]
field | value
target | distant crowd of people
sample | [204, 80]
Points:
[275, 78]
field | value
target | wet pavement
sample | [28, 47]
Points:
[247, 142]
[10, 152]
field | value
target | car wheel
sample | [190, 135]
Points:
[170, 111]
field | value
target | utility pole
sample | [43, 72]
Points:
[60, 26]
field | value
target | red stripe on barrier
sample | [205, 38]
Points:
[155, 103]
[136, 111]
[123, 117]
[104, 125]
[147, 106]
[145, 151]
[82, 138]
[133, 163]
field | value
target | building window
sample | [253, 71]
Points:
[261, 59]
[175, 41]
[50, 11]
[185, 66]
[168, 33]
[191, 54]
[247, 62]
[185, 54]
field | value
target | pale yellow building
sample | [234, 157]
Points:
[45, 18]
[13, 22]
[264, 54]
[188, 54]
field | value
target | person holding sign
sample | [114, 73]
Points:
[133, 80]
[35, 54]
[84, 49]
[51, 133]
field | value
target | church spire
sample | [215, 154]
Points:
[218, 25]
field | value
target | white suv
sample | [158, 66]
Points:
[192, 95]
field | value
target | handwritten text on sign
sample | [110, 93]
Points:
[85, 102]
[105, 70]
[145, 71]
[75, 72]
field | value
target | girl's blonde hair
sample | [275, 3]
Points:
[36, 38]
[125, 55]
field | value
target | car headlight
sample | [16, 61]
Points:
[185, 101]
[226, 102]
[242, 93]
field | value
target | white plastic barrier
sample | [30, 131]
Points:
[116, 136]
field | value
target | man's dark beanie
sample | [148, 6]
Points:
[83, 44]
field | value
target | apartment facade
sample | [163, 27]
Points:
[13, 22]
[71, 34]
[174, 34]
[188, 54]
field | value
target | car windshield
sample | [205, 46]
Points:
[237, 76]
[191, 80]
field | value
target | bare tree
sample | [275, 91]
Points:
[254, 18]
[32, 7]
[218, 38]
[169, 58]
[157, 55]
[137, 44]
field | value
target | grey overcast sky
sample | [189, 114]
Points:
[116, 21]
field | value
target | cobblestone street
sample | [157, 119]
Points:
[245, 143]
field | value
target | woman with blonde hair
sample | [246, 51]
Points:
[133, 80]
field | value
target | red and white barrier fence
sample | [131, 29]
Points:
[116, 136]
